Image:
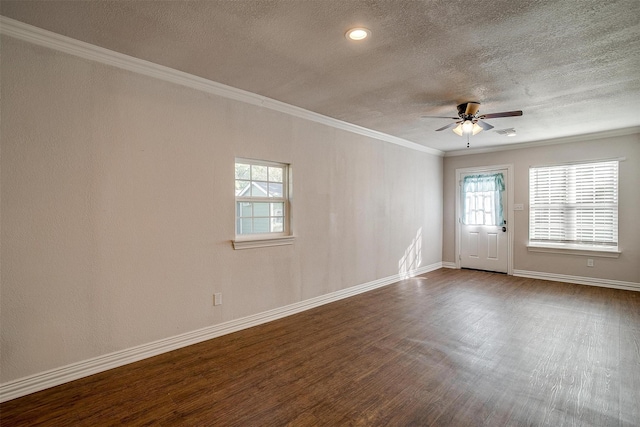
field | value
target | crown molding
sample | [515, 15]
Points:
[564, 140]
[29, 33]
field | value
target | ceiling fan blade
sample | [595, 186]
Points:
[439, 117]
[472, 108]
[450, 125]
[484, 125]
[497, 115]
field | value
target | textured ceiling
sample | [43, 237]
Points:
[572, 66]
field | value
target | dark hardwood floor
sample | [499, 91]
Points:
[449, 348]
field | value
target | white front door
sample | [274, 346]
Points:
[483, 221]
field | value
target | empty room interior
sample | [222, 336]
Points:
[288, 212]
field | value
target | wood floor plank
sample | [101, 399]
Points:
[449, 348]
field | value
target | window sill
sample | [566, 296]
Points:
[570, 249]
[262, 242]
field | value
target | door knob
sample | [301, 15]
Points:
[504, 229]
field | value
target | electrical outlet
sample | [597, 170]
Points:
[217, 299]
[589, 262]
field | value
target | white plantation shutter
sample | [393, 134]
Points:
[575, 203]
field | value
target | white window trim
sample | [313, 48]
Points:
[262, 242]
[251, 241]
[575, 249]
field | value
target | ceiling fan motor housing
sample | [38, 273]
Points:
[468, 110]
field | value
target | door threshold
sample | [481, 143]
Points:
[486, 271]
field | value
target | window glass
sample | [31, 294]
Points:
[258, 173]
[243, 171]
[258, 189]
[482, 199]
[275, 174]
[260, 209]
[275, 189]
[241, 186]
[261, 225]
[261, 197]
[246, 209]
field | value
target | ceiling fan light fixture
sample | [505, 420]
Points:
[357, 34]
[467, 126]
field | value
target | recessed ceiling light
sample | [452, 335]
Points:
[357, 34]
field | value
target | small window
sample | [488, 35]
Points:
[262, 201]
[574, 204]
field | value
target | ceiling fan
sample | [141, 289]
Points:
[469, 121]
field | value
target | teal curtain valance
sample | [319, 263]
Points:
[480, 183]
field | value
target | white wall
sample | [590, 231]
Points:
[117, 209]
[626, 268]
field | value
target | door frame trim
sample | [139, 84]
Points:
[509, 207]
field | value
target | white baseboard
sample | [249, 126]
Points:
[449, 265]
[591, 281]
[43, 380]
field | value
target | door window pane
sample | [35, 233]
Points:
[482, 199]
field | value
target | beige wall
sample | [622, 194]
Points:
[117, 209]
[626, 268]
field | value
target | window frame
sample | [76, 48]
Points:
[574, 247]
[276, 238]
